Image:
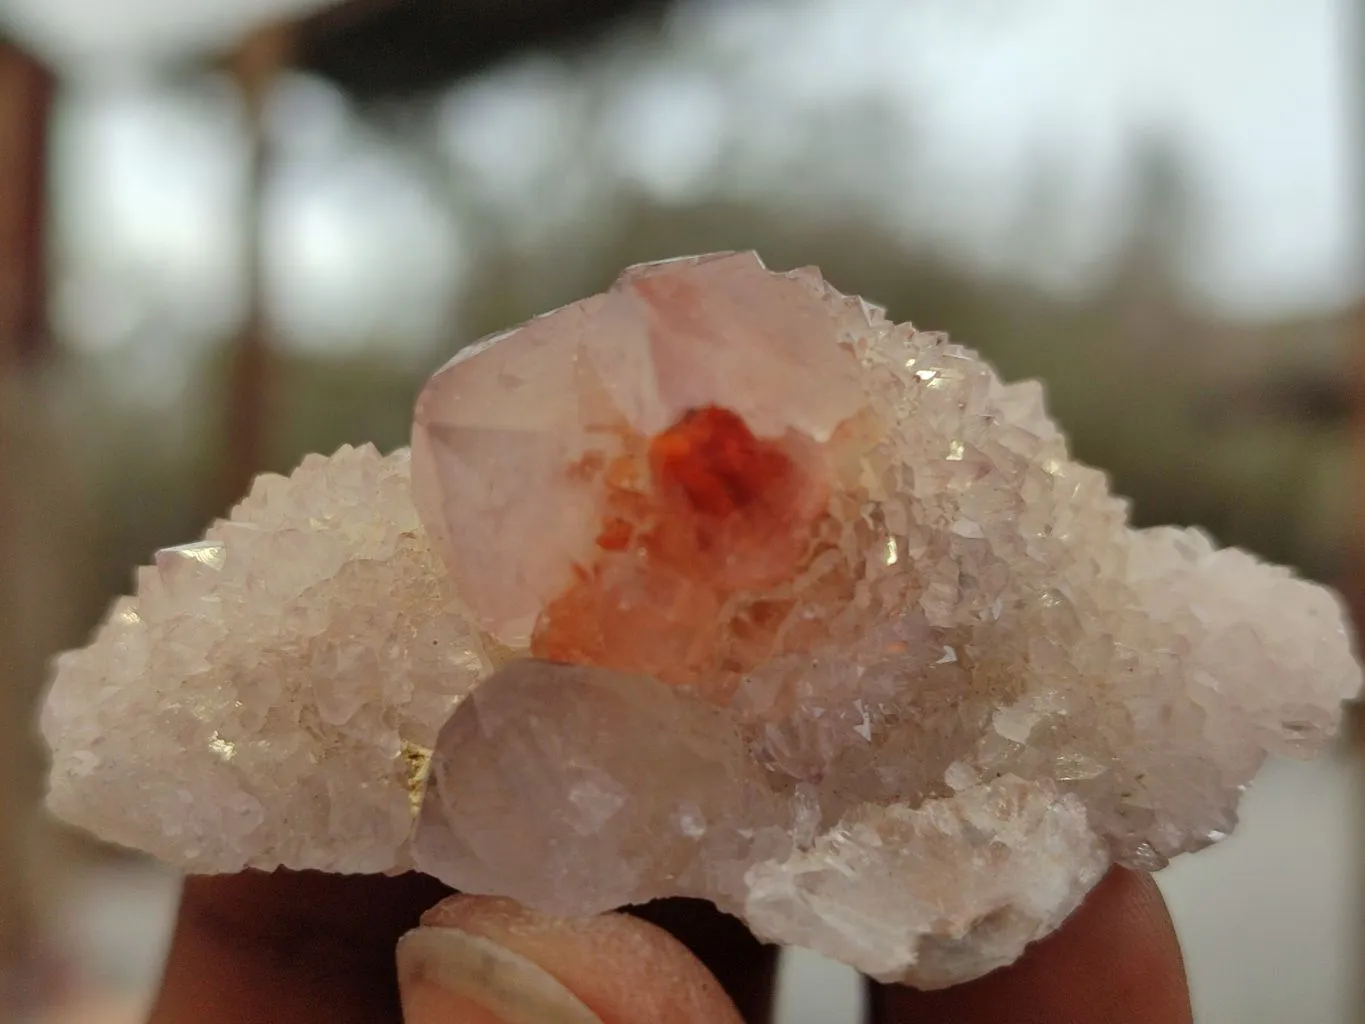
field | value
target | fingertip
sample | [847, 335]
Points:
[445, 974]
[618, 967]
[297, 946]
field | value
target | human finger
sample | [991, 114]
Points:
[306, 947]
[485, 960]
[1115, 961]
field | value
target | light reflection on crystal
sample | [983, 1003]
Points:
[211, 554]
[1072, 767]
[691, 821]
[225, 749]
[960, 776]
[416, 761]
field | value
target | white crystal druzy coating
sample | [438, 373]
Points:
[799, 611]
[271, 695]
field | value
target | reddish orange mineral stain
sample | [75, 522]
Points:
[721, 512]
[616, 534]
[712, 459]
[730, 504]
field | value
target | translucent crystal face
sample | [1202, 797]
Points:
[530, 446]
[796, 610]
[907, 602]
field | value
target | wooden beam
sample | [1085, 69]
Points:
[26, 90]
[25, 103]
[254, 66]
[391, 49]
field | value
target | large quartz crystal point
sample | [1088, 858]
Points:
[269, 696]
[496, 430]
[577, 790]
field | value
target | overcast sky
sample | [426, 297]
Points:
[1256, 92]
[70, 32]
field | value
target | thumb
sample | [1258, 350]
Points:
[481, 960]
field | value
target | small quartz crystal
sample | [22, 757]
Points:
[721, 585]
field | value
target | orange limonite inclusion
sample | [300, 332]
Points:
[721, 512]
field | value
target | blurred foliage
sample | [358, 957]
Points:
[1140, 401]
[1235, 427]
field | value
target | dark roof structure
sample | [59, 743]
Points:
[385, 49]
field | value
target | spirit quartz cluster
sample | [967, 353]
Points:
[721, 585]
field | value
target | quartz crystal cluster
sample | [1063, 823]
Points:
[718, 584]
[271, 695]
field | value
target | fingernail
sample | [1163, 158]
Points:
[447, 976]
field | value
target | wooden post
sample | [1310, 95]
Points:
[25, 102]
[254, 65]
[1352, 583]
[26, 90]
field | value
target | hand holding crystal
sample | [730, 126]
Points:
[308, 948]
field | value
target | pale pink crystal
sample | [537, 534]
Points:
[497, 428]
[865, 657]
[580, 790]
[969, 688]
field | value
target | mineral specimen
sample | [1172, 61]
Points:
[721, 585]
